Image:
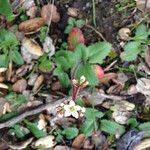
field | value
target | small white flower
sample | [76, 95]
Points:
[72, 109]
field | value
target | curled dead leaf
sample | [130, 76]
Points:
[48, 12]
[124, 33]
[31, 25]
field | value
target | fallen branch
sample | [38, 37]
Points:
[51, 106]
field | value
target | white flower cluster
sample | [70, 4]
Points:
[71, 109]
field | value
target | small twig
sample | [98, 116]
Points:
[97, 32]
[112, 64]
[51, 106]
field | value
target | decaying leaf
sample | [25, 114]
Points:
[72, 12]
[143, 5]
[2, 69]
[129, 140]
[49, 12]
[30, 50]
[79, 141]
[32, 79]
[32, 12]
[31, 25]
[124, 33]
[3, 86]
[21, 145]
[143, 145]
[143, 86]
[48, 46]
[38, 82]
[147, 57]
[20, 85]
[121, 116]
[45, 142]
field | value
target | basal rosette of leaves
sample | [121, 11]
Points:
[136, 45]
[80, 62]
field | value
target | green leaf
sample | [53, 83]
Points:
[45, 64]
[6, 10]
[8, 116]
[141, 32]
[111, 127]
[35, 130]
[81, 52]
[131, 50]
[16, 129]
[88, 127]
[98, 52]
[90, 113]
[71, 21]
[144, 126]
[79, 23]
[64, 59]
[132, 122]
[70, 132]
[8, 40]
[90, 123]
[4, 60]
[88, 71]
[62, 76]
[17, 58]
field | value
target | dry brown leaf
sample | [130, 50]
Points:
[31, 25]
[79, 141]
[48, 12]
[143, 6]
[38, 82]
[20, 85]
